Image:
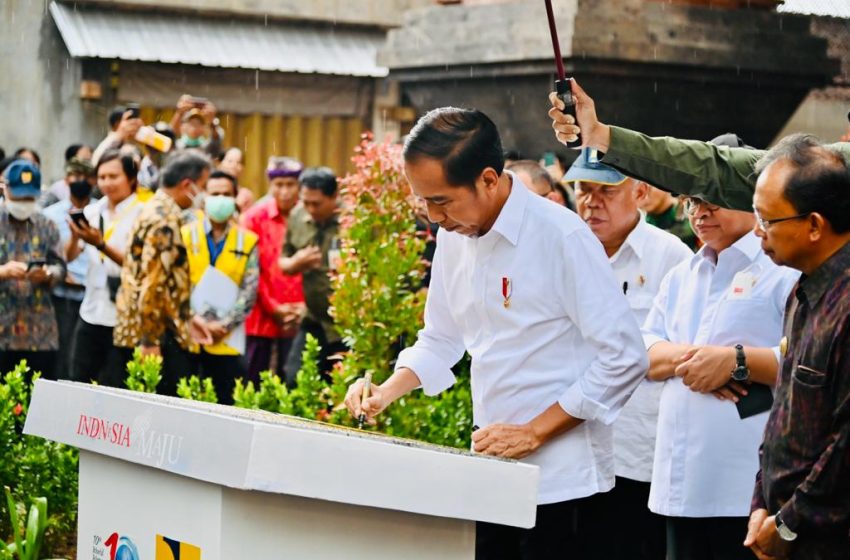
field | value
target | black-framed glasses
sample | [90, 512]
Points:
[692, 203]
[764, 224]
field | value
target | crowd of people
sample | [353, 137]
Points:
[676, 364]
[151, 241]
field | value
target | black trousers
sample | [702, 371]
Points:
[67, 315]
[95, 358]
[176, 363]
[643, 534]
[294, 361]
[707, 538]
[258, 354]
[572, 530]
[223, 370]
[43, 361]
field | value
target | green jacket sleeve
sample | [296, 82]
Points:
[720, 175]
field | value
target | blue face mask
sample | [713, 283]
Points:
[219, 208]
[192, 142]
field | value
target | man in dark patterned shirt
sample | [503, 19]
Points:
[153, 302]
[30, 264]
[801, 504]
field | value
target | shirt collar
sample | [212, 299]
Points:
[636, 240]
[102, 204]
[274, 211]
[748, 245]
[208, 226]
[815, 285]
[510, 218]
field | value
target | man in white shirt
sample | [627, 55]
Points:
[523, 286]
[641, 255]
[713, 334]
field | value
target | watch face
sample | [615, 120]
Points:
[740, 373]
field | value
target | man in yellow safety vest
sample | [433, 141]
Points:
[224, 271]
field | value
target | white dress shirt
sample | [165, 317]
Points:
[97, 308]
[640, 264]
[706, 456]
[567, 335]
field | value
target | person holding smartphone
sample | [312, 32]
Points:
[101, 233]
[30, 265]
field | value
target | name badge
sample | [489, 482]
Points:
[742, 286]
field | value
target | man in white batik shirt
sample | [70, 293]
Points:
[524, 286]
[641, 255]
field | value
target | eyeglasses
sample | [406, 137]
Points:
[692, 203]
[764, 224]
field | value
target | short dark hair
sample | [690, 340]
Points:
[218, 174]
[128, 164]
[71, 151]
[320, 179]
[466, 141]
[116, 114]
[820, 181]
[184, 164]
[23, 149]
[511, 154]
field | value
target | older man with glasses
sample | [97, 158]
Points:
[801, 504]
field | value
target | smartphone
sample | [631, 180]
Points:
[36, 264]
[134, 110]
[199, 102]
[78, 217]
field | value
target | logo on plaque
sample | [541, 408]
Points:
[116, 547]
[170, 549]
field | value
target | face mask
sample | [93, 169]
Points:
[192, 142]
[21, 209]
[80, 189]
[196, 197]
[219, 208]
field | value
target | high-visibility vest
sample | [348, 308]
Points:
[232, 261]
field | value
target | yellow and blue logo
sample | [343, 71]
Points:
[170, 549]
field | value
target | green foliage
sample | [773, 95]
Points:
[32, 466]
[196, 389]
[28, 538]
[307, 400]
[378, 304]
[143, 372]
[377, 299]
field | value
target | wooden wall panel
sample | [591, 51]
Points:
[315, 141]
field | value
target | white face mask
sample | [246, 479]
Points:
[21, 209]
[196, 195]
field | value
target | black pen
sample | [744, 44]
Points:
[625, 287]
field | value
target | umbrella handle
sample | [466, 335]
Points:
[565, 93]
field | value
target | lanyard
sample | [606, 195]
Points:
[108, 232]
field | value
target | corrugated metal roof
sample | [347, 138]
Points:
[187, 39]
[834, 8]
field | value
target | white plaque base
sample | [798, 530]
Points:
[139, 502]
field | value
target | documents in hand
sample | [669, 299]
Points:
[215, 294]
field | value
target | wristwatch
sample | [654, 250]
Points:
[782, 529]
[741, 371]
